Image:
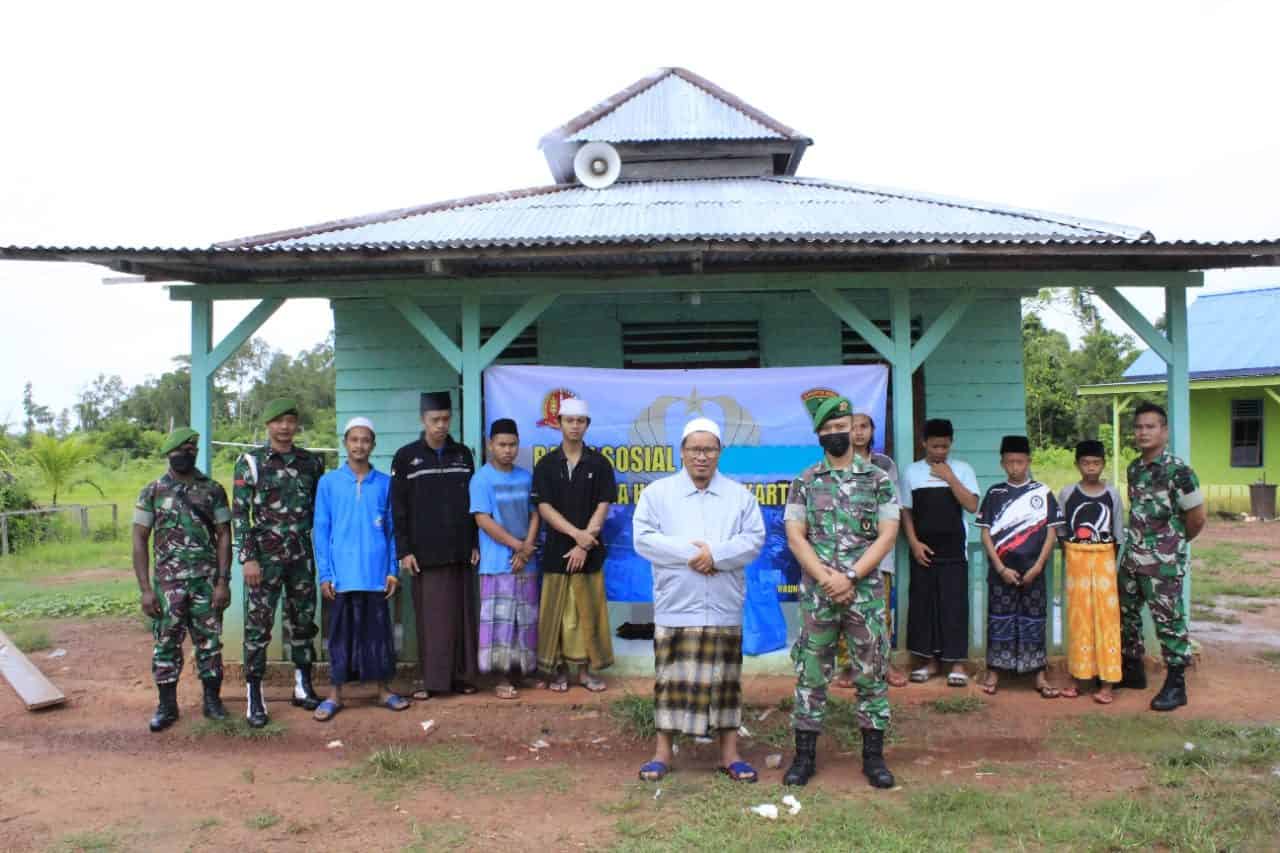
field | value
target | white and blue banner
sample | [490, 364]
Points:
[636, 420]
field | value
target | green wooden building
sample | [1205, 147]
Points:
[676, 214]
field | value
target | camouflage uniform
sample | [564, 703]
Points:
[1156, 555]
[274, 503]
[184, 517]
[842, 508]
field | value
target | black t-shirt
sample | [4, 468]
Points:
[1092, 519]
[576, 498]
[431, 503]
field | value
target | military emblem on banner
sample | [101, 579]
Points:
[551, 407]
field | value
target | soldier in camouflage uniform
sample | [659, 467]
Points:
[190, 517]
[1166, 511]
[273, 506]
[841, 520]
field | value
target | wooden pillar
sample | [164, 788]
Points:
[1175, 297]
[201, 415]
[472, 366]
[1117, 406]
[904, 438]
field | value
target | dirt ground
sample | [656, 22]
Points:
[90, 772]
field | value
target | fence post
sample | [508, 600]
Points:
[4, 535]
[115, 521]
[84, 522]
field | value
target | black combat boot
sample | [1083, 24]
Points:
[167, 710]
[873, 766]
[304, 696]
[256, 712]
[213, 708]
[1174, 692]
[805, 764]
[1133, 673]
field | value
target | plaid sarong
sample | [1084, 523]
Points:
[697, 687]
[509, 623]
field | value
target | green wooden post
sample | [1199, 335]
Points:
[904, 438]
[1175, 307]
[201, 414]
[472, 422]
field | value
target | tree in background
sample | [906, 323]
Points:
[34, 414]
[61, 462]
[100, 401]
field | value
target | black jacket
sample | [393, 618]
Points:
[431, 503]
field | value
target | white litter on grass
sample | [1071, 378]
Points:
[540, 744]
[743, 731]
[768, 810]
[764, 715]
[57, 653]
[427, 726]
[1189, 746]
[792, 804]
[657, 793]
[334, 744]
[702, 740]
[675, 749]
[774, 761]
[595, 741]
[1275, 771]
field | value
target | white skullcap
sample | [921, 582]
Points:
[574, 406]
[358, 422]
[701, 425]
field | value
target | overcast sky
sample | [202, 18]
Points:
[181, 124]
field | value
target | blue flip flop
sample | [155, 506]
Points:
[657, 771]
[395, 702]
[741, 771]
[326, 711]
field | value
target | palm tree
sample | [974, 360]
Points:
[61, 461]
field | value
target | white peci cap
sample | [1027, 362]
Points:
[358, 422]
[701, 425]
[573, 406]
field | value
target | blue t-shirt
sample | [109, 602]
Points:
[504, 496]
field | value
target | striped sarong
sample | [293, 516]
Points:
[697, 686]
[1093, 612]
[509, 623]
[573, 622]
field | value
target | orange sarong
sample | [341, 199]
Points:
[1093, 612]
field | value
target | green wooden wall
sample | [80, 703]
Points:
[1211, 445]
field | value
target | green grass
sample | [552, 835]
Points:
[207, 823]
[439, 836]
[956, 705]
[93, 841]
[390, 770]
[1201, 613]
[634, 715]
[262, 820]
[28, 637]
[1271, 656]
[1162, 739]
[236, 727]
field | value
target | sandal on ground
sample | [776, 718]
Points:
[559, 685]
[896, 679]
[326, 711]
[990, 683]
[923, 674]
[1048, 691]
[740, 771]
[653, 771]
[421, 695]
[506, 691]
[957, 679]
[394, 702]
[1104, 698]
[595, 685]
[844, 681]
[1069, 692]
[462, 688]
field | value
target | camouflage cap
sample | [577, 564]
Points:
[822, 409]
[279, 407]
[177, 438]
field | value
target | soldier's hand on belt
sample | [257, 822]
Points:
[252, 573]
[409, 563]
[151, 605]
[847, 598]
[393, 583]
[327, 590]
[839, 586]
[221, 595]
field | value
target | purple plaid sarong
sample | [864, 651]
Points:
[509, 623]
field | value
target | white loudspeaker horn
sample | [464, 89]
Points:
[596, 165]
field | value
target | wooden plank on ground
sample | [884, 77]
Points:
[30, 683]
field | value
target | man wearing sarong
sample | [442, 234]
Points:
[936, 493]
[436, 544]
[1166, 511]
[841, 519]
[272, 506]
[189, 514]
[1093, 529]
[573, 486]
[356, 564]
[864, 431]
[508, 524]
[699, 530]
[1019, 520]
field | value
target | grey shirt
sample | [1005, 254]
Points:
[1090, 515]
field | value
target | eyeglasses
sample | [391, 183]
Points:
[705, 452]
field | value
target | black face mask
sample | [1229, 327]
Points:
[182, 463]
[835, 443]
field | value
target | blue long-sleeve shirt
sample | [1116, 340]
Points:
[354, 540]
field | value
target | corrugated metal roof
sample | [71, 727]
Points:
[671, 104]
[1229, 335]
[769, 208]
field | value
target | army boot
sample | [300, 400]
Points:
[213, 708]
[256, 712]
[805, 764]
[873, 766]
[1174, 692]
[167, 710]
[1133, 674]
[304, 696]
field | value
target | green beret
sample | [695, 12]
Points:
[177, 438]
[822, 409]
[278, 408]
